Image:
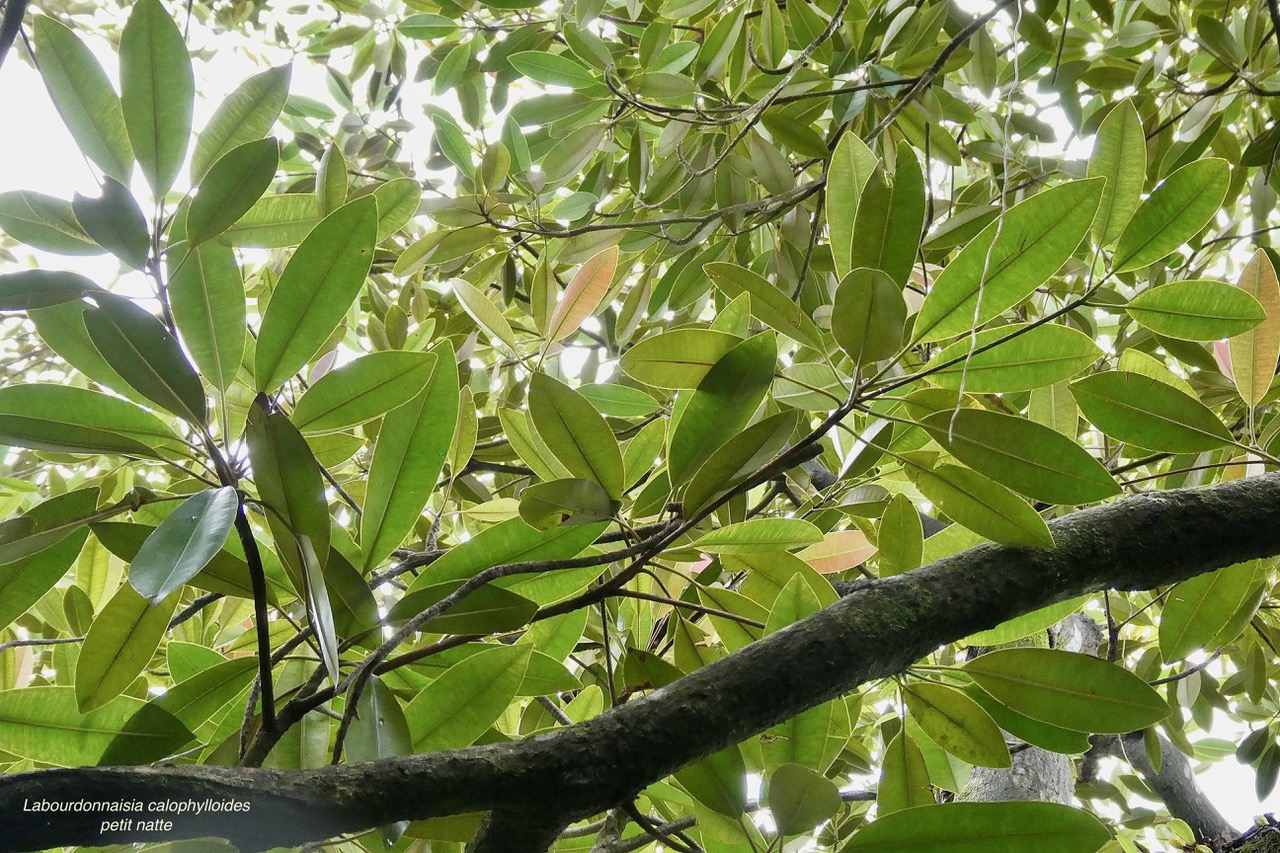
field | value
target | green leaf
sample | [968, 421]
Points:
[900, 537]
[319, 609]
[619, 401]
[1074, 691]
[1014, 358]
[511, 541]
[799, 799]
[566, 501]
[904, 778]
[84, 98]
[157, 90]
[851, 166]
[230, 188]
[32, 289]
[759, 534]
[1146, 412]
[1026, 624]
[115, 222]
[398, 201]
[362, 390]
[290, 487]
[227, 572]
[1196, 310]
[721, 405]
[25, 580]
[276, 221]
[44, 724]
[1254, 353]
[196, 699]
[1120, 156]
[1035, 732]
[1039, 462]
[207, 298]
[44, 222]
[247, 114]
[869, 315]
[718, 781]
[184, 543]
[957, 724]
[1036, 237]
[982, 828]
[407, 459]
[487, 610]
[982, 506]
[75, 420]
[380, 730]
[1196, 610]
[141, 350]
[123, 639]
[890, 219]
[48, 523]
[768, 303]
[332, 180]
[582, 297]
[739, 457]
[576, 433]
[485, 313]
[553, 69]
[1175, 212]
[462, 703]
[315, 290]
[677, 359]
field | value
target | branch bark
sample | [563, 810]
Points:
[878, 630]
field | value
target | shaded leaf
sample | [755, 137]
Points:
[139, 348]
[248, 113]
[184, 543]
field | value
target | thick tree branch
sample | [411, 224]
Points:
[1174, 783]
[885, 625]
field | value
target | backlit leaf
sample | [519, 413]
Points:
[315, 290]
[1174, 213]
[1146, 412]
[957, 724]
[1074, 691]
[157, 92]
[1254, 353]
[121, 642]
[982, 828]
[581, 298]
[1036, 237]
[407, 459]
[1196, 310]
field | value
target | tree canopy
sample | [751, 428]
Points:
[596, 424]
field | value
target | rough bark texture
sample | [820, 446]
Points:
[1132, 544]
